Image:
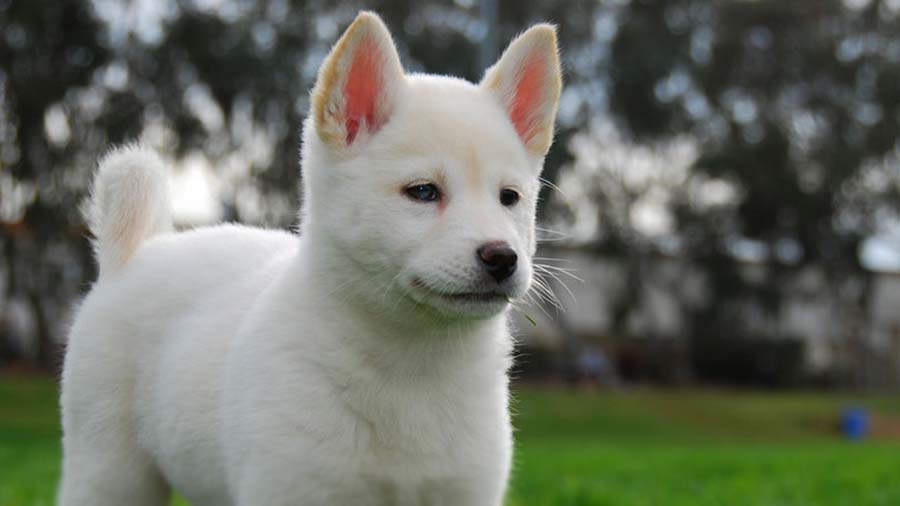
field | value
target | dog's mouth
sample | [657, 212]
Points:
[473, 297]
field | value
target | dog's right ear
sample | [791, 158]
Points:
[356, 88]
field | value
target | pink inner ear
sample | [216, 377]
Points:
[362, 90]
[528, 96]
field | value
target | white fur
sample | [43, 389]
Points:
[250, 367]
[130, 202]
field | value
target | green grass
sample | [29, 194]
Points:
[698, 449]
[29, 442]
[636, 448]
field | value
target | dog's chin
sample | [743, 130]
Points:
[460, 304]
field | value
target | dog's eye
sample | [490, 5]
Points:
[425, 192]
[509, 197]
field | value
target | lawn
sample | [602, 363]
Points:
[639, 447]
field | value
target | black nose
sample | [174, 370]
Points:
[498, 258]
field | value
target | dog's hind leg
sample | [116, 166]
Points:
[101, 471]
[104, 463]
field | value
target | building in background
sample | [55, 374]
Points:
[809, 340]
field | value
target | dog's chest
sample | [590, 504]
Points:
[427, 447]
[421, 422]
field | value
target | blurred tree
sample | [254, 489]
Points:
[793, 107]
[47, 49]
[779, 121]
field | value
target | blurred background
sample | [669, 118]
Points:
[720, 223]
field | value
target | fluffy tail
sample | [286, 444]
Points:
[129, 203]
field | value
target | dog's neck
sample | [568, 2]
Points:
[409, 382]
[392, 333]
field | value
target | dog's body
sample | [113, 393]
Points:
[363, 362]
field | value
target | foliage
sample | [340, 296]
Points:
[769, 127]
[772, 130]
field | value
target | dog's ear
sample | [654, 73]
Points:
[527, 80]
[355, 91]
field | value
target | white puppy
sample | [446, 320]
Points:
[363, 362]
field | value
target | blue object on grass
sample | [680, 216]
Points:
[855, 423]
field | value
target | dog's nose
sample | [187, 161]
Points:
[498, 258]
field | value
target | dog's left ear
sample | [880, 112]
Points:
[356, 88]
[527, 80]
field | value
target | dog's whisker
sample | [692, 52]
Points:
[550, 184]
[555, 271]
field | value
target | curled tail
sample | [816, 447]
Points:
[129, 203]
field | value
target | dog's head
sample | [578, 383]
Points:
[426, 186]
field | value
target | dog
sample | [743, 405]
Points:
[360, 362]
